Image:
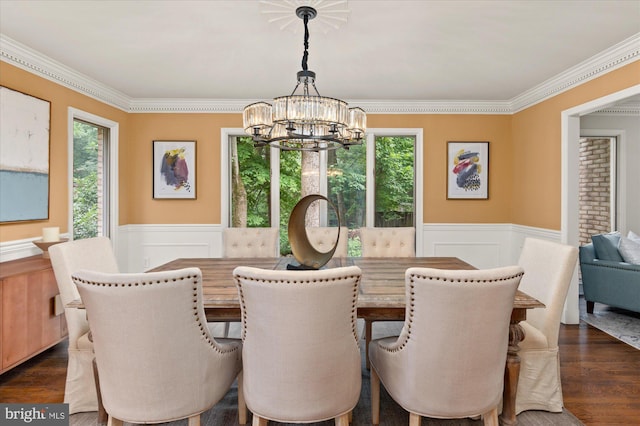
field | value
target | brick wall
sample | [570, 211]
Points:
[595, 188]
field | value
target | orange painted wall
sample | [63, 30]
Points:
[61, 98]
[524, 157]
[205, 130]
[437, 131]
[536, 141]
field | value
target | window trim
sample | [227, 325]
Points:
[113, 190]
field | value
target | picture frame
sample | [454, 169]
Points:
[467, 170]
[174, 169]
[25, 144]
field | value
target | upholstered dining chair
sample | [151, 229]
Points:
[157, 361]
[95, 254]
[251, 242]
[388, 242]
[324, 238]
[385, 242]
[300, 354]
[548, 267]
[449, 359]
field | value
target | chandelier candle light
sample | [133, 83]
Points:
[304, 121]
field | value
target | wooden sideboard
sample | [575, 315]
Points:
[31, 314]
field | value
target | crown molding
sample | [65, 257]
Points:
[628, 109]
[619, 55]
[30, 60]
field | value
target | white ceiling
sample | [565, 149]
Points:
[386, 50]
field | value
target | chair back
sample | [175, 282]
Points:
[301, 360]
[156, 359]
[95, 254]
[388, 242]
[324, 238]
[451, 352]
[251, 242]
[548, 268]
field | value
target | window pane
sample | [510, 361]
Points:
[346, 184]
[290, 193]
[394, 181]
[250, 184]
[90, 205]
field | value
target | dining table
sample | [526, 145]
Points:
[381, 297]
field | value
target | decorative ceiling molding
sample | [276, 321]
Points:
[617, 56]
[30, 60]
[629, 109]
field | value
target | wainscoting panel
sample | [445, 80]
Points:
[142, 247]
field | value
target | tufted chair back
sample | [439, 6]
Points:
[388, 242]
[448, 361]
[300, 345]
[251, 242]
[95, 254]
[156, 358]
[549, 267]
[324, 238]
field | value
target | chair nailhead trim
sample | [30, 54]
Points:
[198, 319]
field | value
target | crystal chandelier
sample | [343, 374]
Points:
[304, 121]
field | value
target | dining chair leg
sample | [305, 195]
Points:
[491, 418]
[368, 332]
[112, 421]
[242, 406]
[259, 421]
[375, 397]
[350, 416]
[194, 420]
[342, 420]
[414, 419]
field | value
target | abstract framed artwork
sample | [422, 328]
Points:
[174, 169]
[24, 163]
[468, 170]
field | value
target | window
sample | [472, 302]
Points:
[375, 184]
[92, 175]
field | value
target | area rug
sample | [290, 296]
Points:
[622, 324]
[225, 413]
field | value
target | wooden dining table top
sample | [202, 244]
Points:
[382, 284]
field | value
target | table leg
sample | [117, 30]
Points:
[511, 374]
[368, 332]
[103, 417]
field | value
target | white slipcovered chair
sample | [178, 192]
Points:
[388, 242]
[156, 358]
[251, 242]
[548, 267]
[449, 359]
[324, 238]
[300, 349]
[95, 254]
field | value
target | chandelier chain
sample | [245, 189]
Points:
[305, 55]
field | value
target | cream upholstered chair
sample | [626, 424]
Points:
[156, 358]
[385, 242]
[301, 361]
[95, 254]
[388, 242]
[324, 238]
[548, 268]
[449, 359]
[251, 242]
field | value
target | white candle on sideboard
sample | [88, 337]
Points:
[51, 234]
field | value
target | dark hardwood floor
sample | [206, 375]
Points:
[600, 377]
